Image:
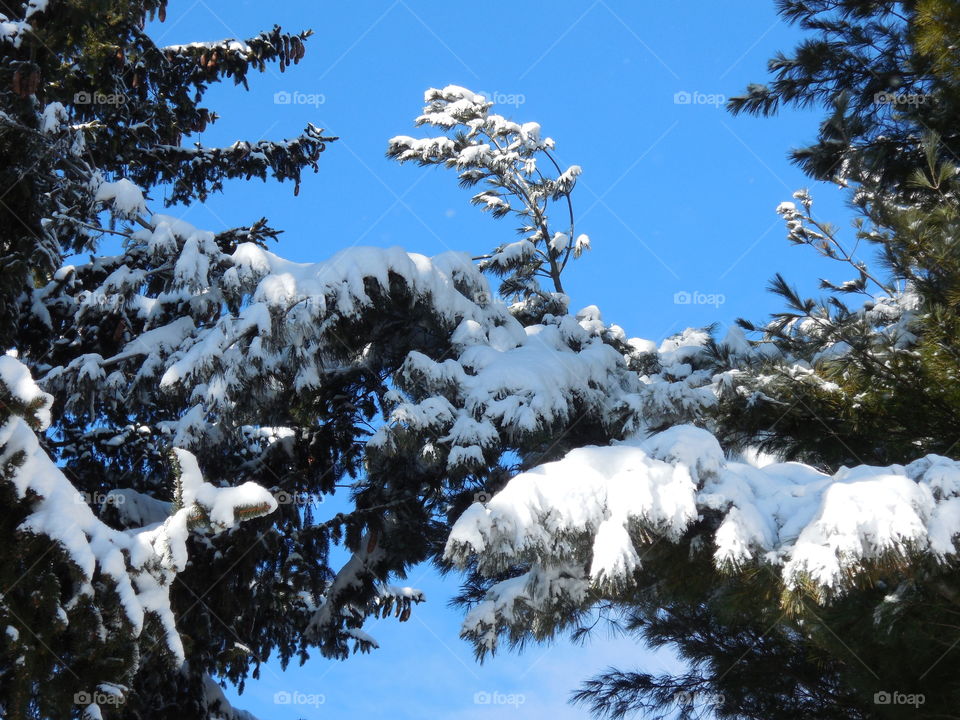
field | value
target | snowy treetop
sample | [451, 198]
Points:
[518, 175]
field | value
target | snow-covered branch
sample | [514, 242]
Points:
[583, 523]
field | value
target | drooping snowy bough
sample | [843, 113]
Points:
[581, 524]
[140, 563]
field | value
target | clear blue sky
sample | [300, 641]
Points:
[675, 197]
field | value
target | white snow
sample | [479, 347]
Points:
[125, 198]
[12, 31]
[582, 244]
[230, 45]
[559, 242]
[54, 115]
[141, 561]
[363, 637]
[221, 504]
[599, 506]
[36, 6]
[136, 509]
[217, 702]
[16, 378]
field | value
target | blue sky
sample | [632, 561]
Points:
[675, 197]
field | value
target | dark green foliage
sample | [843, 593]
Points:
[750, 656]
[866, 375]
[859, 62]
[138, 106]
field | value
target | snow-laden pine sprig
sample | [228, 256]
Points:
[517, 173]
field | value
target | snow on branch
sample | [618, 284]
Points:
[13, 30]
[587, 518]
[346, 602]
[140, 562]
[517, 174]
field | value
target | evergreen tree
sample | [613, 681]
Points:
[881, 385]
[201, 380]
[867, 375]
[747, 567]
[869, 64]
[273, 374]
[94, 113]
